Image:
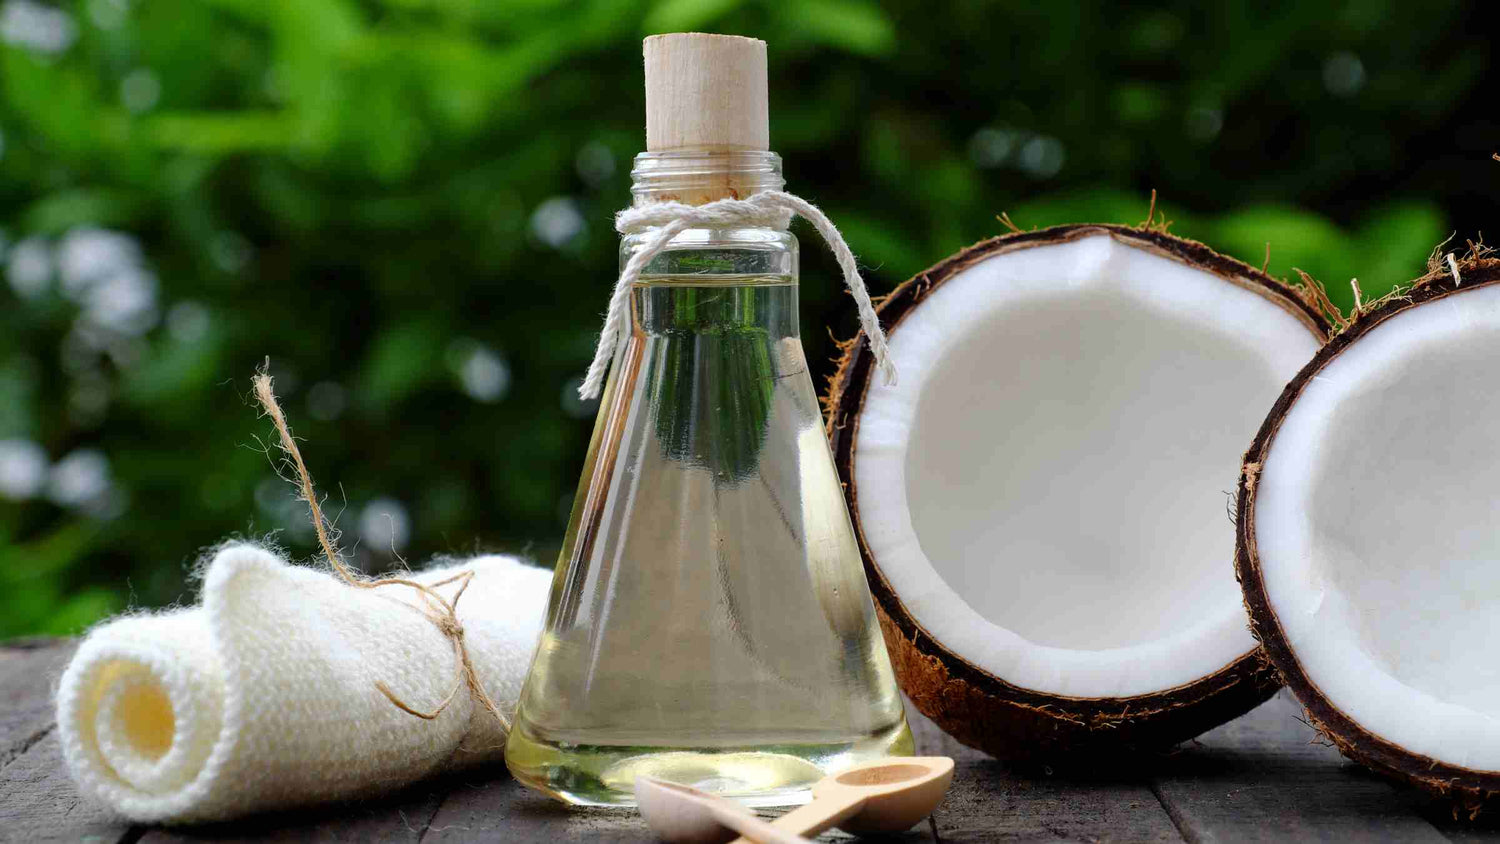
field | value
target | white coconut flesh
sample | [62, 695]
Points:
[1044, 487]
[1377, 522]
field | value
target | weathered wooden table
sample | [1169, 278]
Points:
[1263, 777]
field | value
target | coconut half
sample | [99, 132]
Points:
[1369, 548]
[1040, 498]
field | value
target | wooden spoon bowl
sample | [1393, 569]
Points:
[897, 793]
[887, 795]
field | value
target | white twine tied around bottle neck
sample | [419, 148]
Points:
[768, 209]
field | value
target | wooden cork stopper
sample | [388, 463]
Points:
[706, 92]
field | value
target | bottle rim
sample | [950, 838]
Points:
[695, 175]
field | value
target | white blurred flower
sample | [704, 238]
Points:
[23, 469]
[87, 256]
[36, 27]
[557, 222]
[80, 479]
[124, 302]
[29, 267]
[103, 271]
[485, 375]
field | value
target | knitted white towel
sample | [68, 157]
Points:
[264, 695]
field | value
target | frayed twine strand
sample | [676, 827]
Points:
[772, 209]
[441, 611]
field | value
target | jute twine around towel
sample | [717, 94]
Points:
[443, 612]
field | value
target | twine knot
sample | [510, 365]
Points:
[769, 209]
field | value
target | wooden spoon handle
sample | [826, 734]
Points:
[817, 816]
[754, 829]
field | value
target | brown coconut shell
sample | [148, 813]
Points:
[1469, 789]
[971, 704]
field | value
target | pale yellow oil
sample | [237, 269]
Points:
[710, 622]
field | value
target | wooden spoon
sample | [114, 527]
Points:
[682, 814]
[887, 795]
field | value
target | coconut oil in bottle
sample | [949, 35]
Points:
[709, 620]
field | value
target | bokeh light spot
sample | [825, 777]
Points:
[558, 223]
[79, 479]
[36, 27]
[990, 147]
[1042, 157]
[140, 90]
[188, 322]
[1203, 123]
[384, 525]
[28, 267]
[23, 469]
[595, 164]
[326, 401]
[1343, 74]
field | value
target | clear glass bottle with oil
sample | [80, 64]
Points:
[709, 621]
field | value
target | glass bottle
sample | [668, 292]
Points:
[709, 620]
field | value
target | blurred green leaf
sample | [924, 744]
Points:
[406, 356]
[1104, 205]
[218, 134]
[686, 15]
[174, 375]
[881, 245]
[1137, 102]
[357, 187]
[1392, 243]
[80, 610]
[28, 611]
[1298, 240]
[65, 209]
[46, 557]
[854, 25]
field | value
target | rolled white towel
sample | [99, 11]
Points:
[263, 696]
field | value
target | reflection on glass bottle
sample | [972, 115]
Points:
[710, 621]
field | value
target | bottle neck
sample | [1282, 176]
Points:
[699, 176]
[740, 255]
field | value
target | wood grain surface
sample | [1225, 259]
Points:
[1264, 777]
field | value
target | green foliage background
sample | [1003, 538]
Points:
[407, 205]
